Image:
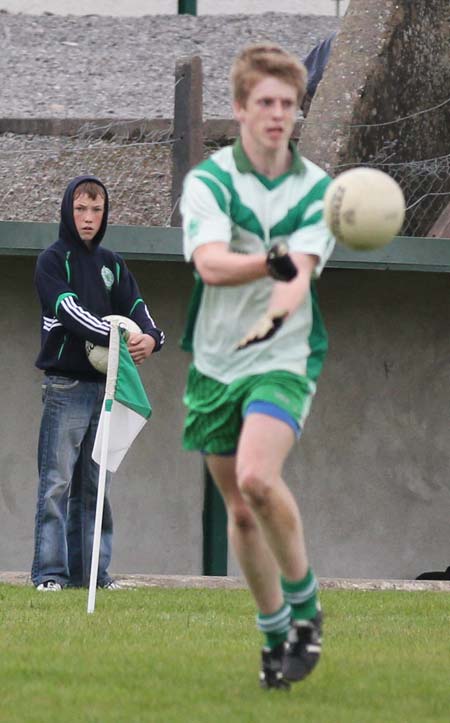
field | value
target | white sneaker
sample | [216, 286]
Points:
[112, 585]
[49, 586]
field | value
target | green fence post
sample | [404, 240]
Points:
[187, 7]
[215, 547]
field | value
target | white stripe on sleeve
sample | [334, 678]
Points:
[84, 317]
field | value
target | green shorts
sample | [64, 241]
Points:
[216, 411]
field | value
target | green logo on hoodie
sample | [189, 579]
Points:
[108, 277]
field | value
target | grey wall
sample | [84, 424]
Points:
[372, 469]
[374, 464]
[383, 98]
[157, 492]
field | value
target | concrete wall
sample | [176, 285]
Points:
[372, 469]
[375, 458]
[157, 493]
[384, 98]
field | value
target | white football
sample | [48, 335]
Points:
[98, 355]
[364, 208]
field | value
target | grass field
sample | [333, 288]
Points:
[191, 656]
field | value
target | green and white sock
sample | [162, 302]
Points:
[301, 595]
[275, 626]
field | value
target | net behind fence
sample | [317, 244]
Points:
[136, 165]
[427, 191]
[394, 144]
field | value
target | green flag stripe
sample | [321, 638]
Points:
[129, 389]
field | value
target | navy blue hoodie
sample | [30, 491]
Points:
[77, 286]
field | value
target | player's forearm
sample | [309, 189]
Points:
[289, 297]
[221, 267]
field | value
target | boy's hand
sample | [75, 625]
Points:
[140, 346]
[264, 328]
[279, 263]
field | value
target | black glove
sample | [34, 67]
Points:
[264, 328]
[280, 264]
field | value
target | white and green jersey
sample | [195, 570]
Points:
[225, 199]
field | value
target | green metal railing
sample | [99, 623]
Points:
[187, 7]
[215, 544]
[162, 243]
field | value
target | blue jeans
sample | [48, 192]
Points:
[68, 480]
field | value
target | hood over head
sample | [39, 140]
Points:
[67, 228]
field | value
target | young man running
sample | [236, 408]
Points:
[259, 343]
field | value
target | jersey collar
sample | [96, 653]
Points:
[244, 165]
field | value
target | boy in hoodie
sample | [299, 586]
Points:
[78, 283]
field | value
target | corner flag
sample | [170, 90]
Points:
[125, 411]
[125, 402]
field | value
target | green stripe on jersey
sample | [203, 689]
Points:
[215, 190]
[315, 218]
[193, 307]
[318, 338]
[226, 185]
[294, 217]
[240, 214]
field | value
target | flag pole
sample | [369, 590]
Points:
[113, 358]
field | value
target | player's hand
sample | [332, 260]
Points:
[140, 346]
[265, 327]
[280, 264]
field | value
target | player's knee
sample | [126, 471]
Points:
[242, 519]
[254, 488]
